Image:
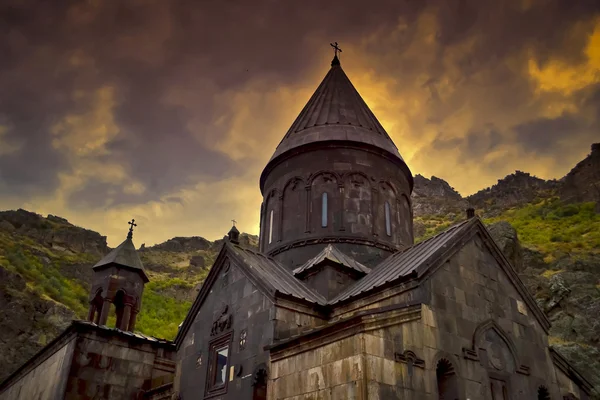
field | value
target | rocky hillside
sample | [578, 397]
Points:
[550, 230]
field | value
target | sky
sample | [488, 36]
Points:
[167, 111]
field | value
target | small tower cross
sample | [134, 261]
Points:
[130, 234]
[234, 222]
[336, 48]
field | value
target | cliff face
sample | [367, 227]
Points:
[55, 232]
[582, 183]
[513, 190]
[435, 196]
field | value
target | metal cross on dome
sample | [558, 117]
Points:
[234, 222]
[336, 48]
[132, 223]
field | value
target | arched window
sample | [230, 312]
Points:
[447, 382]
[324, 210]
[543, 393]
[259, 382]
[96, 307]
[388, 219]
[119, 303]
[270, 226]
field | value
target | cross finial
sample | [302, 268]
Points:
[130, 234]
[336, 48]
[234, 222]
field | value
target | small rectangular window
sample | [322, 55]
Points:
[218, 365]
[324, 210]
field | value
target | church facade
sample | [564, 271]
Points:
[338, 302]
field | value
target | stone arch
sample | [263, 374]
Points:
[325, 202]
[293, 208]
[405, 218]
[446, 380]
[494, 349]
[543, 393]
[332, 174]
[358, 203]
[260, 377]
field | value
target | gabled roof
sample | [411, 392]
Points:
[124, 255]
[337, 112]
[275, 277]
[402, 263]
[421, 258]
[333, 254]
[264, 272]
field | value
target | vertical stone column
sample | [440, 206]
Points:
[105, 310]
[342, 204]
[374, 209]
[132, 320]
[91, 312]
[308, 213]
[126, 318]
[261, 228]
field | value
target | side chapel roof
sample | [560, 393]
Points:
[333, 254]
[276, 277]
[124, 255]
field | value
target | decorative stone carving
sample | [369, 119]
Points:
[409, 357]
[494, 350]
[222, 323]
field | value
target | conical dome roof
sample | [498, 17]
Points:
[125, 255]
[336, 112]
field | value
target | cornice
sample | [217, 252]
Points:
[332, 239]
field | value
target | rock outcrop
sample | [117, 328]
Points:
[54, 232]
[180, 244]
[506, 238]
[27, 322]
[513, 190]
[435, 197]
[582, 183]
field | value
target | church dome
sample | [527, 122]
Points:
[336, 177]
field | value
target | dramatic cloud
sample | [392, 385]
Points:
[167, 111]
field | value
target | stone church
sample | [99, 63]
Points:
[338, 303]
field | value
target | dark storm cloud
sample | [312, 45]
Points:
[145, 49]
[547, 135]
[476, 143]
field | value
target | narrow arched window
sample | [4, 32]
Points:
[324, 210]
[388, 219]
[270, 226]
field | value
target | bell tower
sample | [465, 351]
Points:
[336, 178]
[118, 282]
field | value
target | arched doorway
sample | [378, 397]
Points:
[259, 383]
[447, 381]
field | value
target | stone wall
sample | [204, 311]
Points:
[480, 322]
[333, 371]
[115, 366]
[46, 381]
[358, 184]
[247, 310]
